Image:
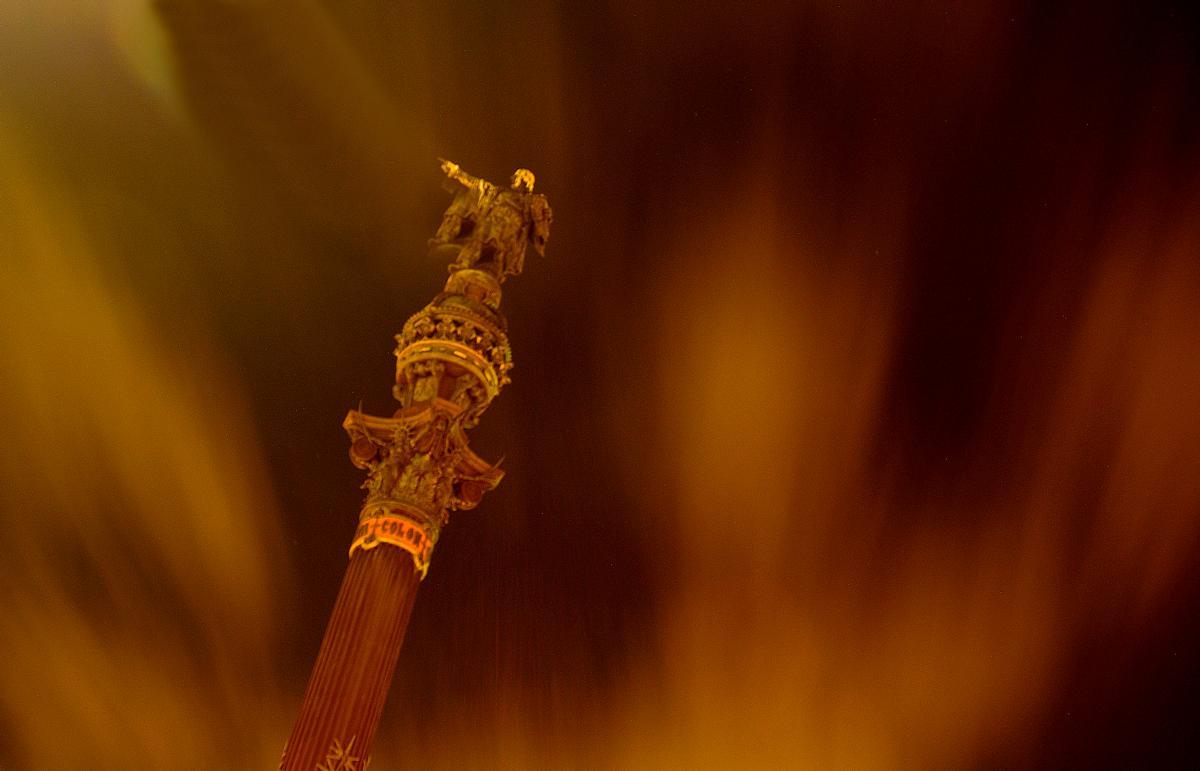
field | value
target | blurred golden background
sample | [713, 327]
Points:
[856, 416]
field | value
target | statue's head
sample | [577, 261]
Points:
[522, 181]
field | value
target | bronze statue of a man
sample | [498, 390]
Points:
[488, 228]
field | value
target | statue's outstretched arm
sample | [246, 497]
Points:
[455, 172]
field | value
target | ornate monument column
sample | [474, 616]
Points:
[452, 359]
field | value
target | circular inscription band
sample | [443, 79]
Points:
[390, 527]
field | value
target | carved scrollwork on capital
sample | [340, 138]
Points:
[415, 464]
[419, 468]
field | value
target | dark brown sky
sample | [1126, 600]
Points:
[854, 422]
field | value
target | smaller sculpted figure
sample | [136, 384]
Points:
[489, 228]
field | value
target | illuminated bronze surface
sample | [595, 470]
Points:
[452, 358]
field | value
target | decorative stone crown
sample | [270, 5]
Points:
[456, 348]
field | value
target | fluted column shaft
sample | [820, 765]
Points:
[354, 668]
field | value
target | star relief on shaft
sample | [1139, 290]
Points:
[338, 758]
[489, 228]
